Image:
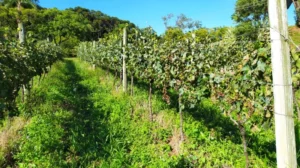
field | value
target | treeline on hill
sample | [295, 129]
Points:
[65, 28]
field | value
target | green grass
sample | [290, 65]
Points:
[79, 118]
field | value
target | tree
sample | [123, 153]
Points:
[182, 22]
[166, 19]
[7, 22]
[19, 4]
[297, 12]
[174, 34]
[101, 23]
[44, 27]
[250, 16]
[206, 35]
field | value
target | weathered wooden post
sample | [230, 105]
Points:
[282, 85]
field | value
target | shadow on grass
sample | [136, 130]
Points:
[211, 116]
[214, 119]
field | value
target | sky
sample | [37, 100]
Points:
[144, 13]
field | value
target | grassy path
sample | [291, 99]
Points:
[66, 129]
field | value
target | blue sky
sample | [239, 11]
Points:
[150, 12]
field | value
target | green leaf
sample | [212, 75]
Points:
[182, 106]
[261, 66]
[294, 79]
[172, 71]
[246, 68]
[298, 63]
[217, 79]
[174, 50]
[262, 52]
[172, 83]
[181, 91]
[295, 57]
[191, 78]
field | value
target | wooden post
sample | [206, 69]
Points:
[124, 59]
[20, 24]
[150, 101]
[181, 117]
[24, 93]
[282, 86]
[21, 32]
[131, 86]
[93, 57]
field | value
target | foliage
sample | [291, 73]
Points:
[174, 34]
[253, 10]
[9, 137]
[204, 34]
[250, 16]
[62, 27]
[182, 22]
[7, 21]
[101, 23]
[19, 63]
[26, 3]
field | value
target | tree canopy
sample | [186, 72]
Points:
[250, 15]
[62, 27]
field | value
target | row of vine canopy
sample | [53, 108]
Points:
[234, 72]
[19, 63]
